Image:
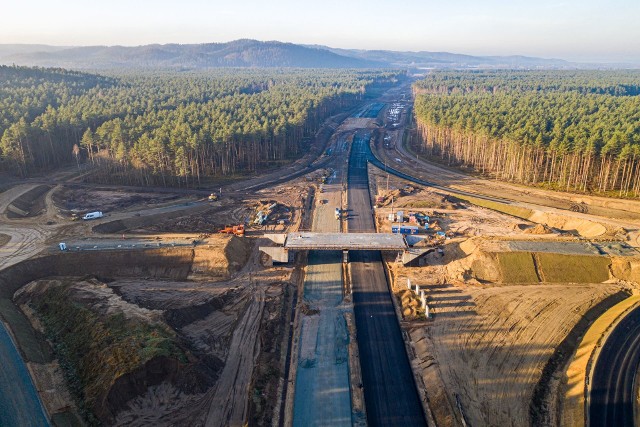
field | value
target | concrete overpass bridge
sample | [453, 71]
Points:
[345, 242]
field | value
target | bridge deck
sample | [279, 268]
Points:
[343, 241]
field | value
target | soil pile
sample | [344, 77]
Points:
[538, 229]
[110, 350]
[223, 255]
[583, 227]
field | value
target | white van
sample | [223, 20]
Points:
[93, 215]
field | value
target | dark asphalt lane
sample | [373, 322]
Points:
[390, 394]
[19, 401]
[613, 388]
[388, 168]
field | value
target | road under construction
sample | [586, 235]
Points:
[389, 388]
[338, 286]
[387, 383]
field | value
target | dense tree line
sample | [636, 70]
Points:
[575, 131]
[169, 128]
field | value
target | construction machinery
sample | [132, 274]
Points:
[213, 197]
[237, 230]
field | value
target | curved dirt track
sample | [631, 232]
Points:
[19, 401]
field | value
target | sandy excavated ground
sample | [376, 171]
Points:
[224, 319]
[489, 345]
[482, 353]
[458, 220]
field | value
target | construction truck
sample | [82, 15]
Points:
[213, 197]
[237, 230]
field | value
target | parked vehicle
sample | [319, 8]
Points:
[93, 215]
[337, 213]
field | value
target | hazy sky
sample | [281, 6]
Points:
[572, 29]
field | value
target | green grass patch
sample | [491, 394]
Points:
[560, 268]
[516, 211]
[517, 267]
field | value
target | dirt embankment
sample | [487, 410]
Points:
[29, 204]
[495, 347]
[111, 351]
[585, 265]
[203, 262]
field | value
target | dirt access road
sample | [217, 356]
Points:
[19, 401]
[27, 236]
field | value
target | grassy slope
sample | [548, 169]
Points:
[93, 350]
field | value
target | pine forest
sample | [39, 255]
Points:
[568, 130]
[168, 127]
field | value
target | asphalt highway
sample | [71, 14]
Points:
[388, 168]
[613, 388]
[390, 393]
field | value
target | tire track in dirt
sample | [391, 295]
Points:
[494, 346]
[232, 387]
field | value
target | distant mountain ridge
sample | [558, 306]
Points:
[238, 53]
[446, 59]
[252, 53]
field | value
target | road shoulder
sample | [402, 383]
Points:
[580, 369]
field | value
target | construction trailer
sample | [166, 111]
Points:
[404, 229]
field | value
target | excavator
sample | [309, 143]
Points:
[237, 230]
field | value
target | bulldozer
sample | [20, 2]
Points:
[237, 230]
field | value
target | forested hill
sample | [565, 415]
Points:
[575, 131]
[168, 127]
[239, 53]
[426, 59]
[253, 53]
